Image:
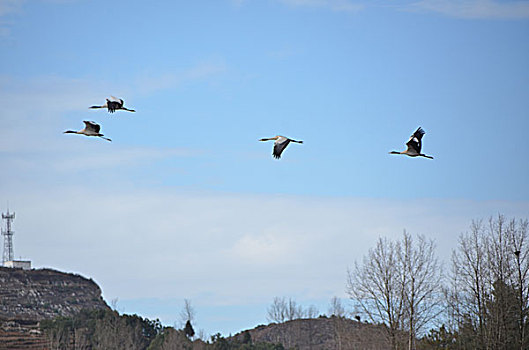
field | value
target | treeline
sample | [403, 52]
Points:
[106, 329]
[481, 302]
[282, 310]
[100, 329]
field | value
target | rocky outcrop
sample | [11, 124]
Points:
[30, 296]
[33, 295]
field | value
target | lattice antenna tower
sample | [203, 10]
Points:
[8, 237]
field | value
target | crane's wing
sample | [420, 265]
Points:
[113, 98]
[92, 126]
[102, 106]
[279, 146]
[414, 144]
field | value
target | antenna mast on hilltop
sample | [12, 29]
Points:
[8, 238]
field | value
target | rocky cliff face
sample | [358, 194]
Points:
[34, 295]
[30, 296]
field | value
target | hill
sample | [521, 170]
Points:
[320, 333]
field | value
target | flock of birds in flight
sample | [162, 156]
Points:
[414, 144]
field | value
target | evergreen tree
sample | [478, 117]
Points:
[188, 330]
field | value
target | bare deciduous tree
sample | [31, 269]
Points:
[422, 284]
[311, 312]
[294, 311]
[469, 281]
[398, 284]
[282, 310]
[375, 288]
[277, 312]
[336, 307]
[187, 313]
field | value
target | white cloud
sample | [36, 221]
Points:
[475, 9]
[282, 54]
[266, 248]
[61, 2]
[149, 83]
[163, 243]
[471, 9]
[334, 5]
[10, 6]
[119, 156]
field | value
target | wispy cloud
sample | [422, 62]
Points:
[470, 9]
[148, 83]
[220, 242]
[8, 7]
[281, 54]
[46, 95]
[61, 2]
[334, 5]
[272, 247]
[117, 157]
[475, 9]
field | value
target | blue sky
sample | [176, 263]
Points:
[185, 179]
